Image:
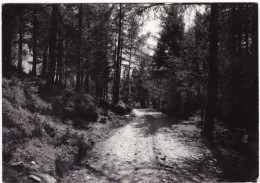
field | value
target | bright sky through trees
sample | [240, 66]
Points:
[152, 24]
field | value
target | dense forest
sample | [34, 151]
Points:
[209, 69]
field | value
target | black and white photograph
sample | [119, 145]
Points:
[137, 92]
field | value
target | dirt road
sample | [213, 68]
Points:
[152, 148]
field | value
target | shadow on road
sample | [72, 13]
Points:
[232, 165]
[151, 124]
[99, 173]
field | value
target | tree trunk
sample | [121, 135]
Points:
[114, 73]
[128, 75]
[120, 62]
[246, 34]
[66, 59]
[208, 127]
[82, 75]
[35, 26]
[236, 115]
[105, 91]
[199, 100]
[239, 104]
[52, 46]
[87, 64]
[255, 40]
[253, 123]
[117, 74]
[78, 51]
[234, 66]
[60, 60]
[7, 18]
[45, 61]
[20, 46]
[87, 81]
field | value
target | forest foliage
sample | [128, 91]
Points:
[209, 69]
[97, 53]
[219, 51]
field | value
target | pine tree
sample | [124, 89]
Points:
[208, 127]
[52, 46]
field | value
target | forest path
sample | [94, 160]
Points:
[152, 148]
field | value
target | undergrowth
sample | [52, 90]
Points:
[46, 134]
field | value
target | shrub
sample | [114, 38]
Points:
[11, 137]
[37, 132]
[103, 120]
[82, 149]
[7, 121]
[61, 166]
[49, 130]
[122, 108]
[8, 152]
[104, 104]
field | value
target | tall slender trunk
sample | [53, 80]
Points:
[45, 61]
[35, 26]
[198, 75]
[121, 58]
[117, 79]
[57, 73]
[208, 127]
[234, 66]
[78, 76]
[246, 26]
[87, 79]
[114, 73]
[65, 74]
[87, 64]
[20, 46]
[60, 60]
[255, 39]
[253, 120]
[52, 46]
[236, 79]
[7, 18]
[239, 105]
[128, 75]
[82, 75]
[66, 59]
[105, 91]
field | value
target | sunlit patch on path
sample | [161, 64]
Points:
[143, 112]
